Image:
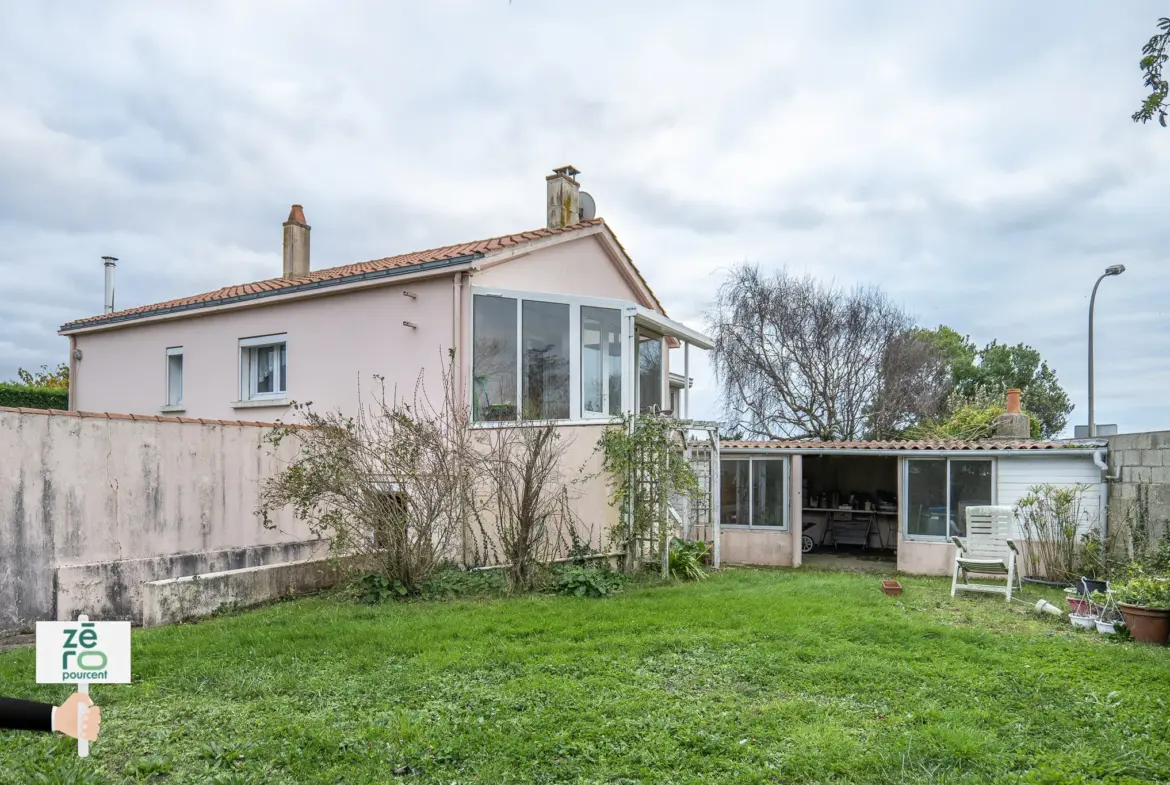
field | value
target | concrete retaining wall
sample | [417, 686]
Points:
[97, 503]
[1143, 490]
[113, 590]
[179, 599]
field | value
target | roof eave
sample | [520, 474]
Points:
[349, 282]
[912, 452]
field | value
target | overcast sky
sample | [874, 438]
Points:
[975, 159]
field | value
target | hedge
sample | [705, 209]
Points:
[19, 396]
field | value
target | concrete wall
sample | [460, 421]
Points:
[1143, 490]
[179, 599]
[90, 506]
[925, 557]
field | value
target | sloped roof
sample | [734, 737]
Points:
[467, 251]
[949, 445]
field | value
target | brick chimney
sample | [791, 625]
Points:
[1014, 423]
[296, 244]
[564, 197]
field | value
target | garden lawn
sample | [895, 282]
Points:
[752, 676]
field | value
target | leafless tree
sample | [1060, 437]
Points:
[527, 513]
[915, 383]
[798, 359]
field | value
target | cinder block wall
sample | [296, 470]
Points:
[1143, 460]
[92, 505]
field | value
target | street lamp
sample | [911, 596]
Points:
[1114, 269]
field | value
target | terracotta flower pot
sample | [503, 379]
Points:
[892, 588]
[1149, 625]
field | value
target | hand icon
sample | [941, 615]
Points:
[65, 718]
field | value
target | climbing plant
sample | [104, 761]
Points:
[643, 457]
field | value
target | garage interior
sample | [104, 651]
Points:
[850, 505]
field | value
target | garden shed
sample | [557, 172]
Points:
[898, 500]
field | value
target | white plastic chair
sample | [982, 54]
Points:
[988, 549]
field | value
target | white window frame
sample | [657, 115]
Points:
[248, 381]
[174, 351]
[605, 367]
[627, 311]
[905, 504]
[751, 524]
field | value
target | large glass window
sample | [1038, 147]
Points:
[939, 491]
[970, 486]
[649, 372]
[768, 493]
[601, 361]
[545, 335]
[735, 492]
[494, 358]
[753, 492]
[551, 357]
[926, 498]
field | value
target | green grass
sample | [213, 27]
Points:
[750, 677]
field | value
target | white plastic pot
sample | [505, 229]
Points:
[1106, 627]
[1082, 622]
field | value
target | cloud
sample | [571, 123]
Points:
[976, 159]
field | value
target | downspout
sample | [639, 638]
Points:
[1103, 465]
[456, 360]
[72, 389]
[1099, 459]
[456, 335]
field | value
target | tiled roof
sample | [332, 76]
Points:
[985, 445]
[257, 288]
[148, 418]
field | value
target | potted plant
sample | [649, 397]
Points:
[1144, 601]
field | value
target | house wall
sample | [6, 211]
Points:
[588, 491]
[1143, 491]
[90, 507]
[1015, 474]
[579, 267]
[333, 341]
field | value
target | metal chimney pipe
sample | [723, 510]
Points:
[110, 262]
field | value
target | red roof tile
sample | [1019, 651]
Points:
[447, 252]
[923, 445]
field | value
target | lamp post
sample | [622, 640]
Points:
[1116, 269]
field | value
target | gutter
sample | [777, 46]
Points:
[308, 287]
[728, 451]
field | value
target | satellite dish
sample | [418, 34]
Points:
[588, 207]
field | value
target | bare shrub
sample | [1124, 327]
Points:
[526, 517]
[390, 488]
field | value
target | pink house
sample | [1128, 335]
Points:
[555, 323]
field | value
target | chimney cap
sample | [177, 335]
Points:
[109, 259]
[567, 171]
[1013, 401]
[296, 215]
